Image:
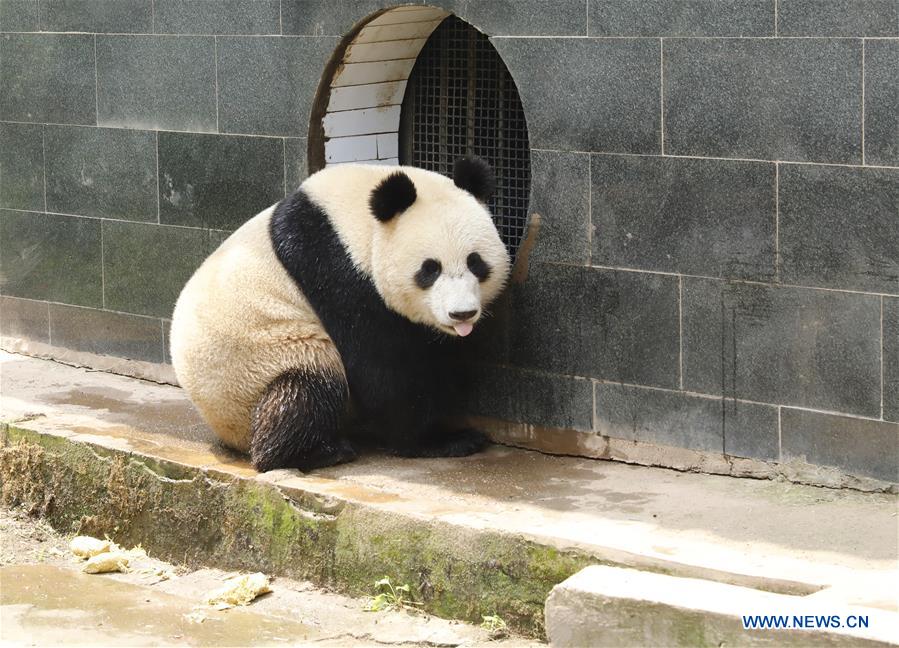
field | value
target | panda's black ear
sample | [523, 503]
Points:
[475, 176]
[393, 195]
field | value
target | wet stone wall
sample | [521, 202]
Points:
[719, 183]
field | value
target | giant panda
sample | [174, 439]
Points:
[333, 318]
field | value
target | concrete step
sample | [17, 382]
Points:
[612, 606]
[488, 534]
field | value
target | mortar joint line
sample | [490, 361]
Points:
[590, 209]
[587, 25]
[102, 268]
[284, 162]
[863, 102]
[680, 326]
[780, 451]
[44, 161]
[162, 337]
[96, 85]
[775, 18]
[158, 206]
[662, 93]
[777, 222]
[215, 43]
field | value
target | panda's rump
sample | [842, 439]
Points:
[239, 323]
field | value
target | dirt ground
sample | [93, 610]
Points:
[46, 599]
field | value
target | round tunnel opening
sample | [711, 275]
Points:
[416, 85]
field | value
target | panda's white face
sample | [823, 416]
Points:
[441, 261]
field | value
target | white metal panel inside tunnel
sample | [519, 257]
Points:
[366, 91]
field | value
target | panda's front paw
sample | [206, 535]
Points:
[449, 443]
[461, 443]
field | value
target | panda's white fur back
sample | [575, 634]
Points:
[239, 322]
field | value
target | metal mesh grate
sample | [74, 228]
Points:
[461, 100]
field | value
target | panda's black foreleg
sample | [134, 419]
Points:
[297, 421]
[426, 436]
[419, 416]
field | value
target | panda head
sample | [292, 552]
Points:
[437, 258]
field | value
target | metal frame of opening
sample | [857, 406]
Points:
[461, 100]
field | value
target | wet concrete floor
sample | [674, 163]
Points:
[46, 600]
[51, 605]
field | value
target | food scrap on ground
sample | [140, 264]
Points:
[88, 547]
[239, 590]
[110, 561]
[103, 556]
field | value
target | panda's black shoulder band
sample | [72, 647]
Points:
[475, 176]
[393, 195]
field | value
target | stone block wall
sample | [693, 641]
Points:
[718, 269]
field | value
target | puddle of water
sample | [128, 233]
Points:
[48, 605]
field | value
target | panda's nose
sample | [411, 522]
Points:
[462, 316]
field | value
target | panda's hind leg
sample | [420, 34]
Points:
[297, 422]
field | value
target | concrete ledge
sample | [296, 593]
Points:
[611, 606]
[486, 534]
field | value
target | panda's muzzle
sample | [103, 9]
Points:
[464, 321]
[462, 316]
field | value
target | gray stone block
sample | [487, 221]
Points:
[105, 333]
[217, 181]
[295, 163]
[522, 17]
[146, 266]
[838, 18]
[560, 193]
[791, 346]
[722, 99]
[855, 446]
[24, 318]
[620, 326]
[891, 358]
[520, 396]
[681, 17]
[22, 166]
[156, 82]
[704, 217]
[49, 257]
[217, 16]
[588, 94]
[267, 85]
[118, 16]
[315, 18]
[669, 418]
[839, 227]
[882, 102]
[106, 172]
[18, 15]
[48, 78]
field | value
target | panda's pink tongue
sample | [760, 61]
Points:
[463, 328]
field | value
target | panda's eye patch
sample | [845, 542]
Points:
[428, 272]
[478, 266]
